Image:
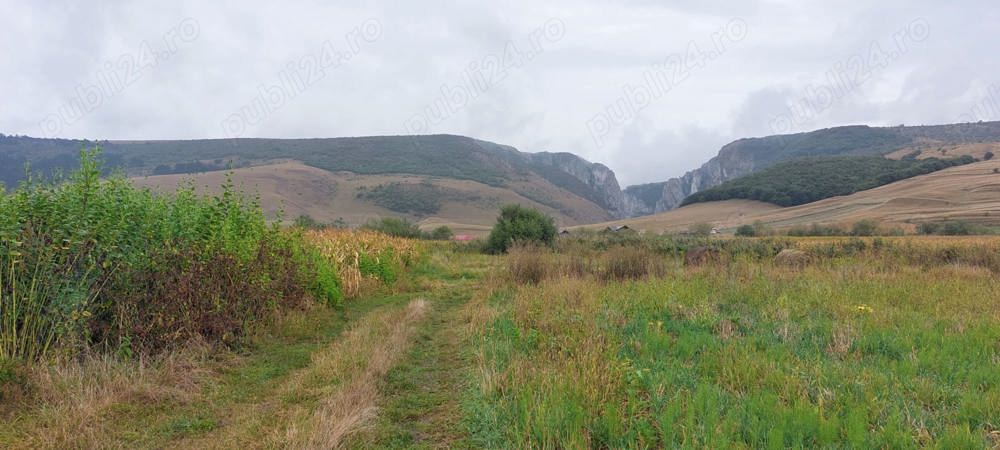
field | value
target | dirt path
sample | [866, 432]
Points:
[420, 401]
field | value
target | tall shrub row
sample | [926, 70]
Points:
[96, 263]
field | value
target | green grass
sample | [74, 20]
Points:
[855, 352]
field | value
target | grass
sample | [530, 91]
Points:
[875, 348]
[872, 342]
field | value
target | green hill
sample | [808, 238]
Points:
[445, 156]
[806, 180]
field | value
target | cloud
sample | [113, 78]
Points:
[56, 50]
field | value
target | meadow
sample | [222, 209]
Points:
[864, 343]
[133, 319]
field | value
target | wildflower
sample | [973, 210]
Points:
[864, 308]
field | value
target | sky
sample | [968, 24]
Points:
[649, 88]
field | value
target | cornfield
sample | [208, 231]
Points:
[348, 250]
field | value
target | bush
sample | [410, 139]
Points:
[630, 263]
[306, 221]
[441, 233]
[746, 231]
[700, 229]
[988, 156]
[519, 224]
[98, 263]
[527, 264]
[866, 227]
[380, 266]
[951, 228]
[395, 227]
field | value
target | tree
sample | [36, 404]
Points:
[519, 224]
[746, 231]
[307, 221]
[441, 233]
[866, 227]
[701, 229]
[395, 227]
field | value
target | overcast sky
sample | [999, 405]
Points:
[650, 88]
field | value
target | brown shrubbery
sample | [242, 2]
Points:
[531, 265]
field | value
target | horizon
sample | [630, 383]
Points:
[590, 79]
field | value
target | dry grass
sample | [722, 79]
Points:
[352, 407]
[532, 265]
[357, 363]
[632, 263]
[966, 192]
[77, 404]
[292, 188]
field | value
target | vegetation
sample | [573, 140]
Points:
[810, 179]
[445, 156]
[399, 227]
[420, 199]
[701, 357]
[952, 228]
[758, 228]
[601, 340]
[523, 225]
[94, 263]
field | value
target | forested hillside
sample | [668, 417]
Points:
[807, 180]
[444, 156]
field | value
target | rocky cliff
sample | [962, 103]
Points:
[601, 185]
[746, 156]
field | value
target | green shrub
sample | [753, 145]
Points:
[379, 266]
[866, 227]
[97, 263]
[519, 224]
[700, 229]
[441, 233]
[395, 226]
[951, 228]
[746, 231]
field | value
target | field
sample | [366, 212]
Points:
[966, 193]
[293, 188]
[134, 320]
[868, 345]
[601, 342]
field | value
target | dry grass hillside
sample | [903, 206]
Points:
[295, 188]
[935, 149]
[970, 192]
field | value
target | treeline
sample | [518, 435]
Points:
[811, 179]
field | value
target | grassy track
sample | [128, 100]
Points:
[420, 407]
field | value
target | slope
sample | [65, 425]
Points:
[439, 156]
[970, 192]
[746, 156]
[469, 207]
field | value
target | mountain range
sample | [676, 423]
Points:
[460, 180]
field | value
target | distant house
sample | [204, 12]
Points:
[463, 238]
[715, 231]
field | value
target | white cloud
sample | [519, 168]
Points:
[51, 47]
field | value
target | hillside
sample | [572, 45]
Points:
[469, 207]
[970, 192]
[746, 156]
[544, 178]
[811, 179]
